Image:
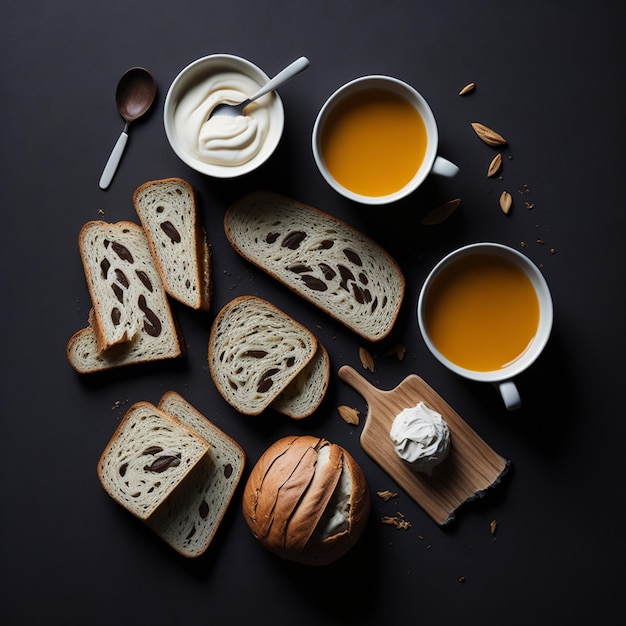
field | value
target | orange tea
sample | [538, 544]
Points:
[374, 142]
[481, 312]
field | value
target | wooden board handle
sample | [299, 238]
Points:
[351, 377]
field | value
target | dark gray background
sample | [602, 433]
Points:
[549, 77]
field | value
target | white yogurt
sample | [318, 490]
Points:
[421, 437]
[222, 140]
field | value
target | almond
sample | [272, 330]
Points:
[467, 89]
[349, 415]
[495, 165]
[489, 136]
[441, 213]
[366, 359]
[506, 201]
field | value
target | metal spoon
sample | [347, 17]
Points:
[135, 94]
[291, 71]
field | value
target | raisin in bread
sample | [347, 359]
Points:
[148, 456]
[191, 515]
[124, 284]
[305, 392]
[255, 351]
[321, 258]
[169, 215]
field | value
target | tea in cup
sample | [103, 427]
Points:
[375, 140]
[485, 312]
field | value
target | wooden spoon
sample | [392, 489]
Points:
[135, 94]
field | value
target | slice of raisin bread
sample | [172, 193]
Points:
[86, 358]
[323, 259]
[305, 392]
[191, 515]
[169, 215]
[148, 456]
[124, 284]
[255, 351]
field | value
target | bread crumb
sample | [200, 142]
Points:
[386, 495]
[398, 520]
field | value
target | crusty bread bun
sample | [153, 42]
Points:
[306, 500]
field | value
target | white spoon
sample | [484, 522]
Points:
[134, 96]
[291, 71]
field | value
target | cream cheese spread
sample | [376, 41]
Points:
[421, 437]
[222, 140]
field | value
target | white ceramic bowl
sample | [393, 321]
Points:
[196, 73]
[431, 163]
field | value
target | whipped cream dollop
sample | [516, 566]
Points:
[421, 437]
[222, 140]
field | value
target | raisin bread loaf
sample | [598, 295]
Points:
[305, 392]
[255, 351]
[191, 515]
[124, 284]
[321, 258]
[169, 215]
[148, 456]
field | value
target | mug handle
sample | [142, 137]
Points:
[510, 394]
[443, 167]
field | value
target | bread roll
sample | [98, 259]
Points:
[306, 500]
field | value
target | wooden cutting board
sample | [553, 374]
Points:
[470, 468]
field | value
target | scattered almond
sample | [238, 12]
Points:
[489, 136]
[493, 526]
[441, 213]
[467, 89]
[495, 165]
[349, 415]
[399, 350]
[386, 495]
[367, 360]
[506, 200]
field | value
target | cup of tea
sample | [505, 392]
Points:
[375, 140]
[485, 312]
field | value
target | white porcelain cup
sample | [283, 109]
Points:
[432, 163]
[501, 378]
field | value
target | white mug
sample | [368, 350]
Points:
[432, 163]
[502, 378]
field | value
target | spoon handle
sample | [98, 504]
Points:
[113, 162]
[291, 71]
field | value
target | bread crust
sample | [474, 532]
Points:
[292, 492]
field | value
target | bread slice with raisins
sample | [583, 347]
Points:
[307, 390]
[191, 515]
[125, 286]
[255, 351]
[321, 258]
[85, 357]
[169, 215]
[147, 457]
